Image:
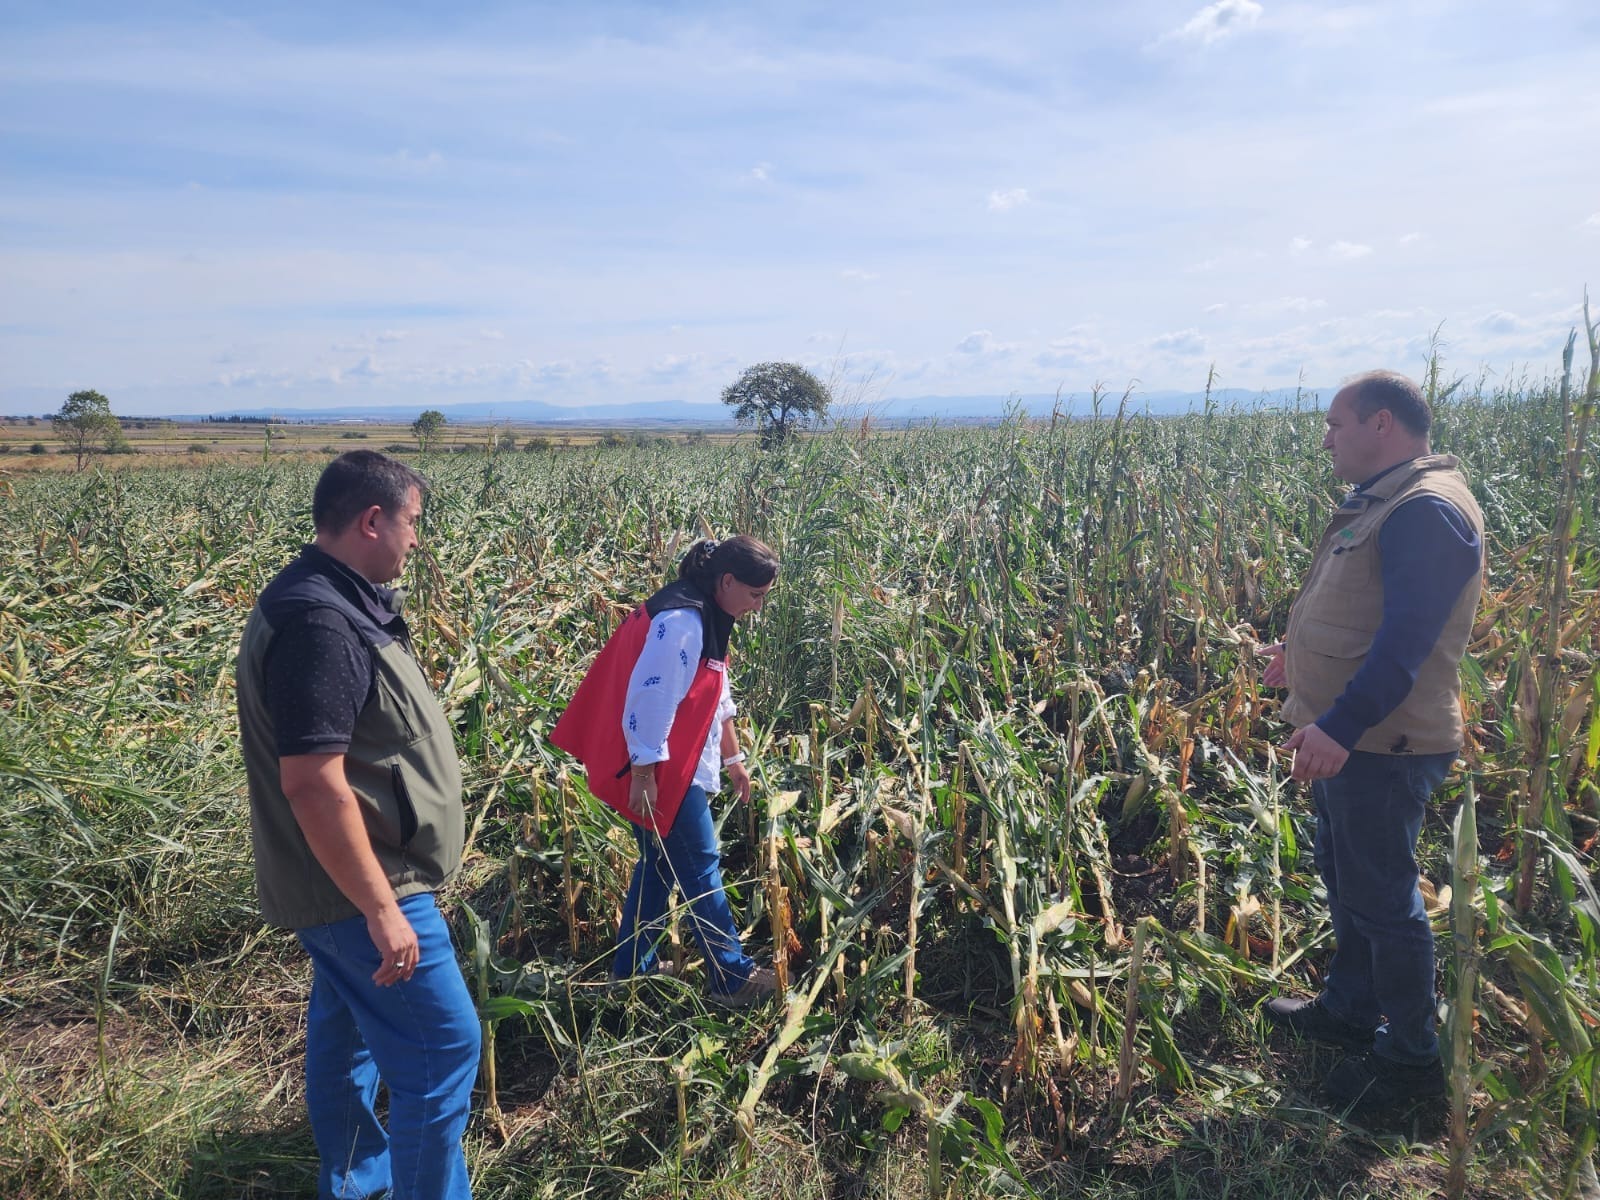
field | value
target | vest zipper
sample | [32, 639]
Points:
[403, 806]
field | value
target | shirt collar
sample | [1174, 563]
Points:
[381, 603]
[1362, 487]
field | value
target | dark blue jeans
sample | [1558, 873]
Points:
[1368, 818]
[689, 858]
[420, 1036]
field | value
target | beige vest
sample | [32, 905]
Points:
[1337, 614]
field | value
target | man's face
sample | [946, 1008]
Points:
[1354, 445]
[397, 537]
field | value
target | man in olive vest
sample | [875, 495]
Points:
[356, 819]
[1371, 660]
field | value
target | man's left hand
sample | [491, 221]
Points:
[739, 779]
[1316, 755]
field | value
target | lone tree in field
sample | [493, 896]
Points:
[425, 426]
[776, 398]
[85, 424]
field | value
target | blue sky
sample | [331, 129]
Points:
[208, 206]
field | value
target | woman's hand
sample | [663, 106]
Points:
[739, 779]
[642, 793]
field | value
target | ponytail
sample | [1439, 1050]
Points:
[747, 559]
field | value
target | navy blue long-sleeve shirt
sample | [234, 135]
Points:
[1429, 552]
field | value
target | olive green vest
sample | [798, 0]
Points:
[401, 764]
[1338, 611]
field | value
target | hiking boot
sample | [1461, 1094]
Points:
[1370, 1081]
[1310, 1020]
[761, 985]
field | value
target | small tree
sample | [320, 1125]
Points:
[85, 424]
[425, 426]
[776, 398]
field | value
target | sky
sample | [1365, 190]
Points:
[208, 206]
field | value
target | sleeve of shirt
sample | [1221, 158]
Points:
[660, 680]
[318, 679]
[1429, 553]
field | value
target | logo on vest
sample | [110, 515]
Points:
[716, 664]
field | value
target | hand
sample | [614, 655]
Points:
[1275, 674]
[397, 946]
[642, 790]
[1316, 755]
[739, 779]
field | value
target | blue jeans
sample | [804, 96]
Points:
[1368, 818]
[688, 857]
[420, 1036]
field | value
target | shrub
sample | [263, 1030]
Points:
[351, 433]
[399, 448]
[38, 448]
[199, 448]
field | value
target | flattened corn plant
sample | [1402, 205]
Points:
[1006, 727]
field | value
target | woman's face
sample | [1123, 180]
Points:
[737, 599]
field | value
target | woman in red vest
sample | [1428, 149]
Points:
[652, 723]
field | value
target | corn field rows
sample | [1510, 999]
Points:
[1020, 843]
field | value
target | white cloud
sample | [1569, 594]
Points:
[676, 366]
[1217, 21]
[1184, 342]
[1408, 239]
[391, 335]
[492, 335]
[857, 275]
[1501, 321]
[430, 161]
[1299, 245]
[1076, 348]
[1285, 304]
[1349, 250]
[981, 342]
[760, 173]
[1004, 201]
[1204, 265]
[1593, 222]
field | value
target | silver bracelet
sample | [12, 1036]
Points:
[733, 758]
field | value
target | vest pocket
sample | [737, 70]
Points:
[1333, 641]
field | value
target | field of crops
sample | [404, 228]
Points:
[1020, 840]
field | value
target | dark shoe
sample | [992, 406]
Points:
[761, 985]
[1311, 1021]
[1370, 1081]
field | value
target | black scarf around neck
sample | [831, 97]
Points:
[716, 625]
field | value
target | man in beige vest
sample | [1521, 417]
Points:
[1371, 660]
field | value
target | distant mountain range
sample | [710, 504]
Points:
[962, 409]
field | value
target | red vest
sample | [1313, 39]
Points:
[591, 728]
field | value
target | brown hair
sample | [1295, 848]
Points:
[747, 559]
[354, 482]
[1373, 391]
